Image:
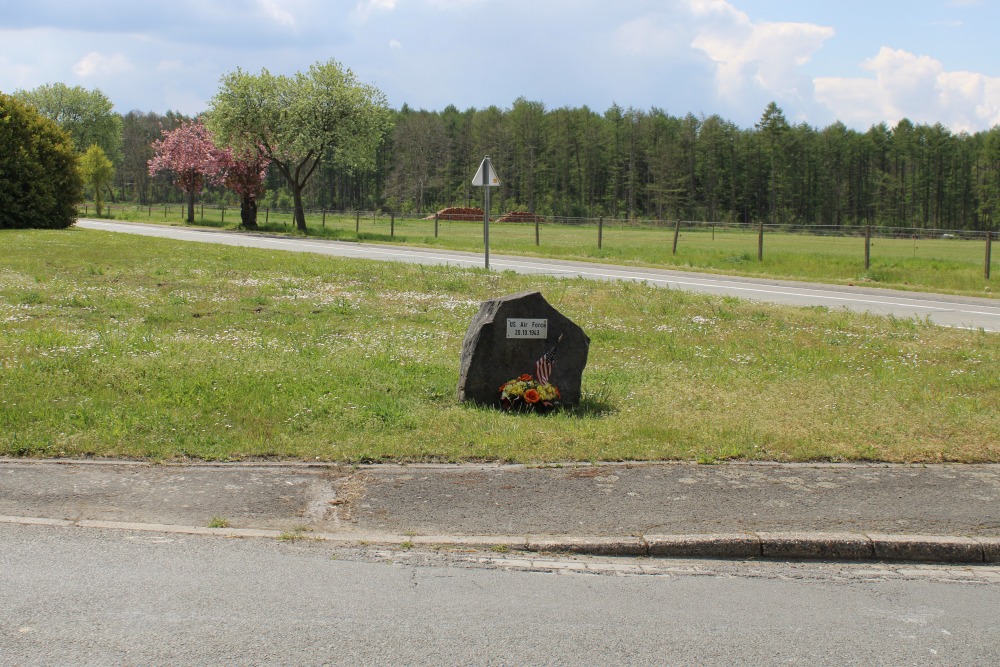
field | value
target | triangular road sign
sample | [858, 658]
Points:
[486, 176]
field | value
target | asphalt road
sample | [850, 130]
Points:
[80, 597]
[950, 311]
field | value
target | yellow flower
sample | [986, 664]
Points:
[548, 392]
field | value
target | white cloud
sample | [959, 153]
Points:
[274, 11]
[648, 36]
[366, 8]
[915, 87]
[452, 4]
[767, 55]
[704, 56]
[97, 64]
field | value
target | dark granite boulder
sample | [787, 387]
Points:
[506, 339]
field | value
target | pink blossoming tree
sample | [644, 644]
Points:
[244, 173]
[190, 153]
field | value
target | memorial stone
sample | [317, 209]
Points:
[506, 339]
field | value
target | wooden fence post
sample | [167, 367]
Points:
[435, 225]
[392, 224]
[537, 240]
[677, 233]
[357, 222]
[868, 247]
[600, 232]
[989, 251]
[760, 241]
[324, 218]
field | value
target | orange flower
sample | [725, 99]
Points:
[525, 378]
[531, 396]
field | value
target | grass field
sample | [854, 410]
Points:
[925, 264]
[119, 345]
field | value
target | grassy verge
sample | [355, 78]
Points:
[117, 345]
[928, 264]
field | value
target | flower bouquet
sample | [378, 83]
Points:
[526, 393]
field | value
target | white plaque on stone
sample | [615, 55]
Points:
[527, 328]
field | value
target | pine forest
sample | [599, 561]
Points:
[635, 164]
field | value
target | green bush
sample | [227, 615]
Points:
[40, 185]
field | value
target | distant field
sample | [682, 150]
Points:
[120, 345]
[951, 265]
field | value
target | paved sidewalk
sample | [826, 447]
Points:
[893, 512]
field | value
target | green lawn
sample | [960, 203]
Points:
[925, 264]
[119, 345]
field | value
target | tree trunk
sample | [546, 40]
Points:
[248, 212]
[300, 214]
[190, 202]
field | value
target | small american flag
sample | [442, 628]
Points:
[543, 367]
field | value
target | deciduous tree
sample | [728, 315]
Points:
[86, 115]
[244, 173]
[97, 171]
[189, 152]
[300, 120]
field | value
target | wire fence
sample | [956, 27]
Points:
[616, 236]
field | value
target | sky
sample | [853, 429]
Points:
[859, 62]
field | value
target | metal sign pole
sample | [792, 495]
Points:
[486, 212]
[486, 178]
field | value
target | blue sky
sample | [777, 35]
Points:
[859, 62]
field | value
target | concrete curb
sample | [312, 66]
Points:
[740, 546]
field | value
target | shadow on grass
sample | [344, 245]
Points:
[589, 407]
[592, 407]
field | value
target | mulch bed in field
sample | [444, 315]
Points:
[459, 213]
[520, 216]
